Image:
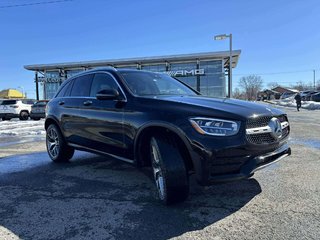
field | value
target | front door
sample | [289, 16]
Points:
[102, 120]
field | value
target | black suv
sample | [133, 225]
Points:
[152, 119]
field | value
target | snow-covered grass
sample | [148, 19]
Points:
[16, 127]
[290, 102]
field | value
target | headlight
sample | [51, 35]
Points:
[215, 127]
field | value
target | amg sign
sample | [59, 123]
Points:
[186, 73]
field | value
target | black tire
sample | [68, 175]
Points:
[24, 115]
[169, 170]
[57, 148]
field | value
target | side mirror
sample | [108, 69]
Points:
[108, 94]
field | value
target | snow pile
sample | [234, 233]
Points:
[290, 102]
[21, 128]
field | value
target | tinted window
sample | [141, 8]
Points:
[40, 104]
[28, 101]
[82, 85]
[9, 102]
[65, 88]
[102, 81]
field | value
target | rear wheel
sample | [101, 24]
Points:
[57, 147]
[169, 170]
[24, 115]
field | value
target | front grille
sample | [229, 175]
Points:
[258, 122]
[264, 138]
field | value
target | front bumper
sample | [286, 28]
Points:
[253, 164]
[232, 164]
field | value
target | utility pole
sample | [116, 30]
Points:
[314, 79]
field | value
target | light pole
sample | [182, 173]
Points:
[22, 88]
[222, 37]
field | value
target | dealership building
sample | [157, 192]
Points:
[206, 72]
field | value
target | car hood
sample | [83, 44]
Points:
[245, 109]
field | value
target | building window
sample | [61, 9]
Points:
[213, 83]
[190, 80]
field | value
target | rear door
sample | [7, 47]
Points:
[102, 120]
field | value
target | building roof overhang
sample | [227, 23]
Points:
[143, 60]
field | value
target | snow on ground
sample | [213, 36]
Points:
[15, 127]
[290, 102]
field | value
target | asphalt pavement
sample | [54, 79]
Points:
[95, 197]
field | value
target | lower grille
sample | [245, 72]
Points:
[261, 138]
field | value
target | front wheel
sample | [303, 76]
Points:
[57, 147]
[169, 170]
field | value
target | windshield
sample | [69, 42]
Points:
[149, 83]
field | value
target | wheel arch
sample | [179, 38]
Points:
[141, 153]
[51, 120]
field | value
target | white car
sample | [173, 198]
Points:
[15, 109]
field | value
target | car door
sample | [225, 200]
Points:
[70, 103]
[102, 120]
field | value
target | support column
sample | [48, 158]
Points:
[37, 85]
[198, 77]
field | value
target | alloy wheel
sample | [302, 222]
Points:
[53, 142]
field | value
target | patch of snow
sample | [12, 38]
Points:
[21, 128]
[290, 102]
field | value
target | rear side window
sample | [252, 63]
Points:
[102, 81]
[82, 85]
[28, 101]
[40, 104]
[9, 102]
[65, 90]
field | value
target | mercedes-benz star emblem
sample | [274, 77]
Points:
[276, 129]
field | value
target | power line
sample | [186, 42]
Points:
[275, 73]
[35, 3]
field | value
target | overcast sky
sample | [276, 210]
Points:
[279, 39]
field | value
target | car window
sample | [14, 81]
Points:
[82, 85]
[40, 104]
[9, 102]
[28, 101]
[102, 81]
[65, 90]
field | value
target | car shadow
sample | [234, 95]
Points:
[94, 197]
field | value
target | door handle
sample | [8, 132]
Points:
[87, 103]
[61, 102]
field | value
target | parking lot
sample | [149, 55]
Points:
[94, 197]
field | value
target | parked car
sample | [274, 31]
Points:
[315, 97]
[153, 120]
[287, 95]
[308, 96]
[15, 108]
[38, 110]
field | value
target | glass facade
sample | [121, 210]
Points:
[206, 76]
[190, 80]
[213, 83]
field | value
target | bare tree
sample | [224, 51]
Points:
[302, 86]
[251, 85]
[272, 85]
[238, 94]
